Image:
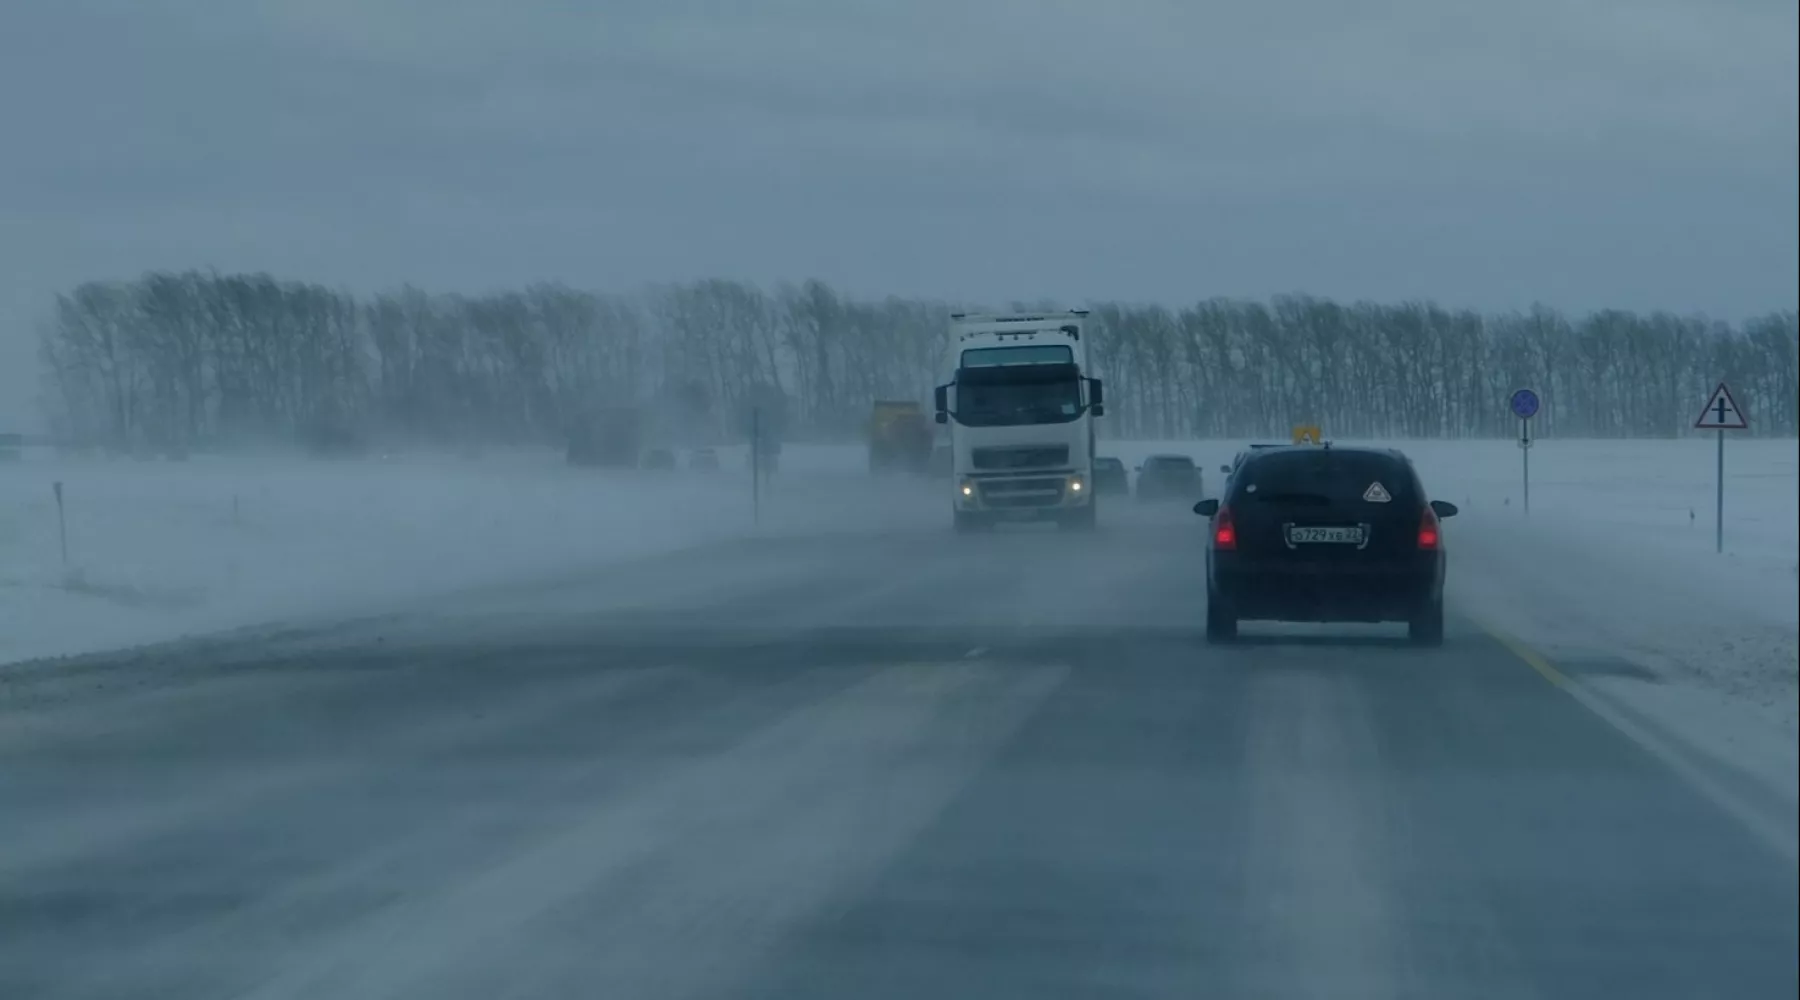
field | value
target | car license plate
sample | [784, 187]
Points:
[1308, 535]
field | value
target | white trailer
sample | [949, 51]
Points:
[1020, 406]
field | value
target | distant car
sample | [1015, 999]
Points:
[704, 460]
[1168, 477]
[1322, 534]
[659, 459]
[1110, 477]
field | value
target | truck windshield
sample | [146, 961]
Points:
[1028, 354]
[1007, 404]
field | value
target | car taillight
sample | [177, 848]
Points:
[1224, 531]
[1428, 529]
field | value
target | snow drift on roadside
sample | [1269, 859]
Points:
[159, 550]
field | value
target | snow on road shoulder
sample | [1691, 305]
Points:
[161, 550]
[1616, 557]
[1614, 576]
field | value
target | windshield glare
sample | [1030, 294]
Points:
[1027, 403]
[1339, 477]
[1029, 354]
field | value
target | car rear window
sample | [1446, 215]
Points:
[1171, 463]
[1338, 476]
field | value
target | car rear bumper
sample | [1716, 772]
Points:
[1327, 594]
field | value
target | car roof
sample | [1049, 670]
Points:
[1170, 456]
[1313, 449]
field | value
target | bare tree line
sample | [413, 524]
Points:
[195, 360]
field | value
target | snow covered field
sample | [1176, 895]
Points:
[159, 550]
[1608, 565]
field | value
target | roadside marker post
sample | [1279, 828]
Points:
[1524, 405]
[62, 525]
[756, 465]
[1721, 414]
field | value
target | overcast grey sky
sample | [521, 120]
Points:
[1584, 153]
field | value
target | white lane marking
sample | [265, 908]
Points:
[202, 793]
[1769, 830]
[745, 844]
[1316, 864]
[1774, 828]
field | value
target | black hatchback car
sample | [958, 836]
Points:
[1328, 534]
[1168, 477]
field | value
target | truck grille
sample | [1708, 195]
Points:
[1022, 493]
[1034, 457]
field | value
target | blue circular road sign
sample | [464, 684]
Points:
[1524, 404]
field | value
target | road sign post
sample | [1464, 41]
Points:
[1524, 405]
[1721, 414]
[62, 524]
[756, 466]
[1525, 461]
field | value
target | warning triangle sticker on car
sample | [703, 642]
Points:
[1376, 493]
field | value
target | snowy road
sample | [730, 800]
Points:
[875, 765]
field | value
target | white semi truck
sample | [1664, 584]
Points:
[1020, 406]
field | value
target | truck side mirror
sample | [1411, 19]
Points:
[1097, 397]
[941, 417]
[940, 400]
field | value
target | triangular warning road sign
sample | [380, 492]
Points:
[1377, 493]
[1721, 413]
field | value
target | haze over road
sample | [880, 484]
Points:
[888, 763]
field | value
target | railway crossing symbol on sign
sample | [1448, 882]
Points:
[1722, 413]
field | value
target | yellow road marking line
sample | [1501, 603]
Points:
[1771, 830]
[1531, 656]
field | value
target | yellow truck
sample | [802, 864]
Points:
[900, 438]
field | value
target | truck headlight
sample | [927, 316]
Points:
[1075, 484]
[968, 489]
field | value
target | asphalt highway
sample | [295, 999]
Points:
[876, 763]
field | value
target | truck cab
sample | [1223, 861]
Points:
[1020, 407]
